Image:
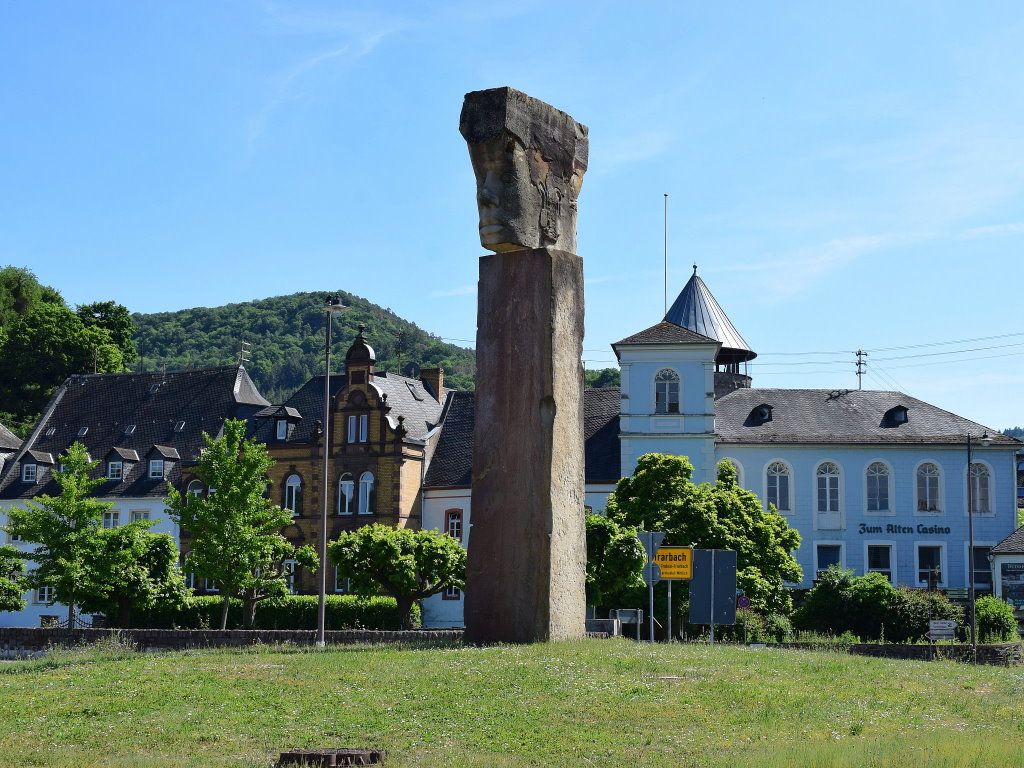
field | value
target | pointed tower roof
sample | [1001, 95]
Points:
[696, 309]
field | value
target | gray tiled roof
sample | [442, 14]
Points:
[1012, 544]
[666, 333]
[169, 412]
[696, 309]
[8, 440]
[452, 464]
[407, 397]
[839, 416]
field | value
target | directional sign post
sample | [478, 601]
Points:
[651, 540]
[941, 629]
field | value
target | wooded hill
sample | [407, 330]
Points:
[286, 334]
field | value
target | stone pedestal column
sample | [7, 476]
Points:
[527, 544]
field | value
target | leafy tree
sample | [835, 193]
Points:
[115, 319]
[615, 559]
[606, 377]
[130, 569]
[996, 620]
[660, 496]
[12, 579]
[404, 564]
[235, 533]
[66, 528]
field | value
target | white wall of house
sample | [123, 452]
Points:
[126, 511]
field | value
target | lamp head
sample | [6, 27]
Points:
[333, 304]
[985, 440]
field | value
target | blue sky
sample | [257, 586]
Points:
[846, 175]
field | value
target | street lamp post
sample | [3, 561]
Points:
[332, 304]
[986, 441]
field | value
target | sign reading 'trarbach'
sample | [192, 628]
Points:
[675, 562]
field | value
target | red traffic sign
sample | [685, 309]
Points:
[743, 602]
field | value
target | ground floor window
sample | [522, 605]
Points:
[929, 565]
[880, 560]
[982, 568]
[828, 555]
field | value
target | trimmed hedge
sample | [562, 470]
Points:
[290, 612]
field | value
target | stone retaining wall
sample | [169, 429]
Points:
[16, 642]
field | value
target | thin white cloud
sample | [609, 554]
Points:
[995, 229]
[460, 290]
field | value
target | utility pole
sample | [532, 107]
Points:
[862, 365]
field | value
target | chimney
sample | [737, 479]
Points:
[433, 378]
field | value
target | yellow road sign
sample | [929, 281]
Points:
[675, 562]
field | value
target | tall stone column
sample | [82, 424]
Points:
[527, 543]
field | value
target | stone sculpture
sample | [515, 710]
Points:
[527, 545]
[529, 159]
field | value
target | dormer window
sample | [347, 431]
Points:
[156, 469]
[760, 415]
[178, 426]
[895, 416]
[51, 431]
[282, 429]
[82, 431]
[28, 472]
[115, 470]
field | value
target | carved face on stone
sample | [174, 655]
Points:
[528, 178]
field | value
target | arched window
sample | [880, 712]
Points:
[738, 468]
[293, 494]
[454, 523]
[346, 494]
[827, 487]
[980, 480]
[777, 486]
[928, 477]
[666, 391]
[366, 494]
[195, 489]
[878, 487]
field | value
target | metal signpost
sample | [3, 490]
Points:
[651, 540]
[941, 629]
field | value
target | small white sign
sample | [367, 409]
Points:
[942, 625]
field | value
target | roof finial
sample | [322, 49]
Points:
[361, 329]
[695, 269]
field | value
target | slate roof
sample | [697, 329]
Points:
[168, 412]
[407, 397]
[840, 416]
[666, 333]
[696, 309]
[1011, 545]
[8, 440]
[452, 464]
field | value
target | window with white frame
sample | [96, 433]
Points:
[827, 487]
[929, 564]
[980, 480]
[282, 429]
[346, 494]
[366, 494]
[982, 568]
[293, 494]
[115, 469]
[777, 486]
[195, 489]
[139, 514]
[880, 560]
[877, 478]
[156, 469]
[290, 570]
[451, 593]
[358, 428]
[828, 555]
[190, 580]
[111, 518]
[739, 470]
[928, 484]
[44, 595]
[12, 539]
[341, 586]
[454, 523]
[666, 391]
[28, 472]
[211, 586]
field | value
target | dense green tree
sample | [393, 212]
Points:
[115, 319]
[235, 532]
[12, 579]
[660, 496]
[996, 620]
[404, 564]
[615, 559]
[66, 529]
[606, 377]
[131, 569]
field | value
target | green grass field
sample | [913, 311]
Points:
[607, 703]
